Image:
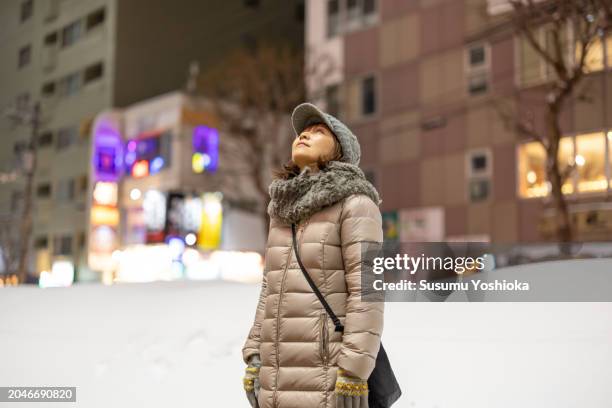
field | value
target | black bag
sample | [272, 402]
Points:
[383, 387]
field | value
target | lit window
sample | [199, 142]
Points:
[566, 157]
[532, 168]
[594, 60]
[590, 162]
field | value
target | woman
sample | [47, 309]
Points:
[295, 357]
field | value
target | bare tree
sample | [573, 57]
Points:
[253, 93]
[574, 26]
[18, 249]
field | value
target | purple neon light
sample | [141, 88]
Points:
[205, 140]
[108, 152]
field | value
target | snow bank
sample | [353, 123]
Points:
[179, 344]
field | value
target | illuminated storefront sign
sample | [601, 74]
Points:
[154, 212]
[209, 236]
[105, 193]
[106, 171]
[147, 154]
[102, 215]
[205, 156]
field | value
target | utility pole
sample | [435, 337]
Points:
[29, 116]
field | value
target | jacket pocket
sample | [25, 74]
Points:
[323, 338]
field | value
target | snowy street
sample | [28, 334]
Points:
[178, 344]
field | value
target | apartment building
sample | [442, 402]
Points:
[422, 84]
[81, 57]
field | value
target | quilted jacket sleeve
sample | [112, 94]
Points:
[251, 345]
[361, 221]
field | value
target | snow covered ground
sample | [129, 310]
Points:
[178, 344]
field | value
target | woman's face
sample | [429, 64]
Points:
[315, 141]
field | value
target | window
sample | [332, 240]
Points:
[591, 162]
[45, 139]
[41, 242]
[251, 3]
[95, 19]
[368, 96]
[82, 239]
[332, 99]
[369, 7]
[479, 163]
[22, 101]
[352, 9]
[300, 12]
[66, 137]
[333, 18]
[478, 84]
[532, 168]
[71, 33]
[479, 189]
[478, 166]
[93, 72]
[48, 89]
[65, 190]
[24, 57]
[43, 190]
[62, 245]
[70, 85]
[594, 60]
[83, 184]
[50, 39]
[477, 69]
[477, 56]
[27, 9]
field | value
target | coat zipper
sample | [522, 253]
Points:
[300, 229]
[324, 339]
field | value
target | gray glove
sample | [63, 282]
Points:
[251, 380]
[351, 392]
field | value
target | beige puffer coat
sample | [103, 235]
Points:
[299, 349]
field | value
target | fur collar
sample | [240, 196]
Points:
[299, 197]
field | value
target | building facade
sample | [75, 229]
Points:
[424, 85]
[78, 58]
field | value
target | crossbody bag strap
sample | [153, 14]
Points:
[330, 312]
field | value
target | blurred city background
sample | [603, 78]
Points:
[137, 140]
[138, 137]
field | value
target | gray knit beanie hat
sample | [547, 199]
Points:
[307, 114]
